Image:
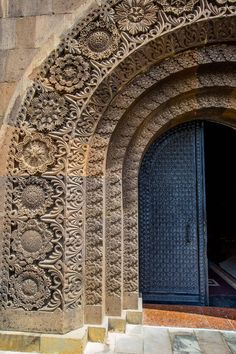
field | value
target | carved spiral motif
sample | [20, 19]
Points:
[29, 287]
[177, 7]
[136, 16]
[33, 196]
[32, 241]
[69, 73]
[99, 40]
[47, 111]
[35, 153]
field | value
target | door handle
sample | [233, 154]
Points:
[188, 233]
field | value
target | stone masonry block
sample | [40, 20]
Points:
[25, 32]
[46, 26]
[73, 342]
[7, 33]
[3, 63]
[19, 8]
[97, 334]
[62, 6]
[3, 8]
[17, 62]
[6, 89]
[116, 324]
[19, 341]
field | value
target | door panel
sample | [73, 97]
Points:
[170, 206]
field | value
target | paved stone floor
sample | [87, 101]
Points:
[190, 316]
[159, 340]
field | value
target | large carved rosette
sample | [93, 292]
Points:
[35, 153]
[29, 288]
[136, 16]
[69, 73]
[32, 241]
[48, 111]
[33, 196]
[99, 40]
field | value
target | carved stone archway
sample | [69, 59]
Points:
[54, 244]
[111, 143]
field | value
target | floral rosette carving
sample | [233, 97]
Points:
[33, 196]
[35, 153]
[177, 7]
[136, 16]
[29, 287]
[32, 241]
[69, 73]
[48, 111]
[99, 40]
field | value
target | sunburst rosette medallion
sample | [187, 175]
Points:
[33, 196]
[69, 73]
[32, 241]
[29, 287]
[47, 111]
[136, 16]
[35, 153]
[99, 40]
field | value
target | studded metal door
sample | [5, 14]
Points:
[171, 218]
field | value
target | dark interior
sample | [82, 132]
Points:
[220, 149]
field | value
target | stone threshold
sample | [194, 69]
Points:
[72, 342]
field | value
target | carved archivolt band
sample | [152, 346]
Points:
[120, 141]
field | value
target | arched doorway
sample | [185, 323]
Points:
[220, 147]
[173, 185]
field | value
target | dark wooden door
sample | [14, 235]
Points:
[171, 218]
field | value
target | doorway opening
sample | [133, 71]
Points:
[188, 168]
[220, 180]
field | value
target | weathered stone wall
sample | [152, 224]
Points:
[29, 31]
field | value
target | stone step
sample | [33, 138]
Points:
[72, 342]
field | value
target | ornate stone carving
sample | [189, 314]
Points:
[32, 240]
[47, 111]
[33, 196]
[148, 36]
[69, 73]
[177, 7]
[135, 16]
[94, 241]
[107, 13]
[99, 40]
[29, 287]
[106, 127]
[74, 242]
[35, 153]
